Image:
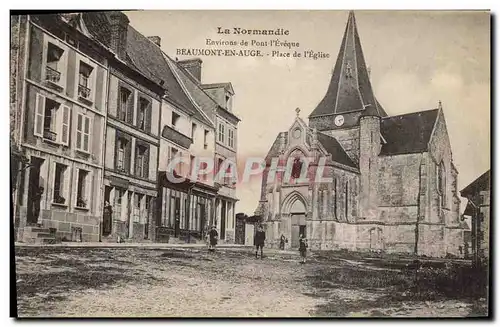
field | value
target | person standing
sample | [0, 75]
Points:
[259, 239]
[213, 237]
[37, 198]
[108, 218]
[303, 247]
[282, 242]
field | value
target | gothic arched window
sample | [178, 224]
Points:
[441, 183]
[296, 168]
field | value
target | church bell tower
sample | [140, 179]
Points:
[349, 95]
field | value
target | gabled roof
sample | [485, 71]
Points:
[147, 58]
[482, 183]
[196, 95]
[408, 133]
[350, 88]
[333, 147]
[274, 150]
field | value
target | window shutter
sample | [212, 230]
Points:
[65, 180]
[117, 145]
[65, 125]
[148, 117]
[128, 154]
[88, 189]
[119, 102]
[136, 161]
[130, 108]
[86, 133]
[53, 181]
[39, 114]
[145, 165]
[79, 132]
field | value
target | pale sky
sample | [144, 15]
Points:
[416, 58]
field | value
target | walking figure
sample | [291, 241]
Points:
[303, 247]
[282, 242]
[213, 236]
[260, 237]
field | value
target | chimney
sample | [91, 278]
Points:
[193, 66]
[119, 25]
[155, 39]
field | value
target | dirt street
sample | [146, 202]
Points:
[86, 282]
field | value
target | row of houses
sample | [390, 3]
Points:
[98, 111]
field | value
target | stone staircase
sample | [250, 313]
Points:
[39, 235]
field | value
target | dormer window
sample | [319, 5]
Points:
[228, 101]
[53, 69]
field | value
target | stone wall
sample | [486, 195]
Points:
[399, 191]
[332, 235]
[64, 222]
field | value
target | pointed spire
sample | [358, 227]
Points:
[350, 88]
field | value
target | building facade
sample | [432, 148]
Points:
[132, 139]
[225, 152]
[61, 128]
[477, 194]
[374, 182]
[100, 112]
[186, 208]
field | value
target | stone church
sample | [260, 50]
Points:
[392, 184]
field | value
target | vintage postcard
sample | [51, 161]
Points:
[250, 163]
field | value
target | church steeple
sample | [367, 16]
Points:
[350, 89]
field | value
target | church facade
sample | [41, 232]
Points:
[372, 182]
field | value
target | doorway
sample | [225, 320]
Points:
[107, 212]
[34, 195]
[298, 221]
[298, 228]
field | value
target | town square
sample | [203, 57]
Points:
[300, 164]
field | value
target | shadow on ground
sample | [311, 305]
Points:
[377, 284]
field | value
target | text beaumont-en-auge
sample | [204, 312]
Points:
[251, 53]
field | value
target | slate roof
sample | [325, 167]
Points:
[274, 150]
[203, 100]
[98, 25]
[350, 88]
[408, 133]
[146, 57]
[333, 147]
[482, 183]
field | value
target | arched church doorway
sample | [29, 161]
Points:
[298, 220]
